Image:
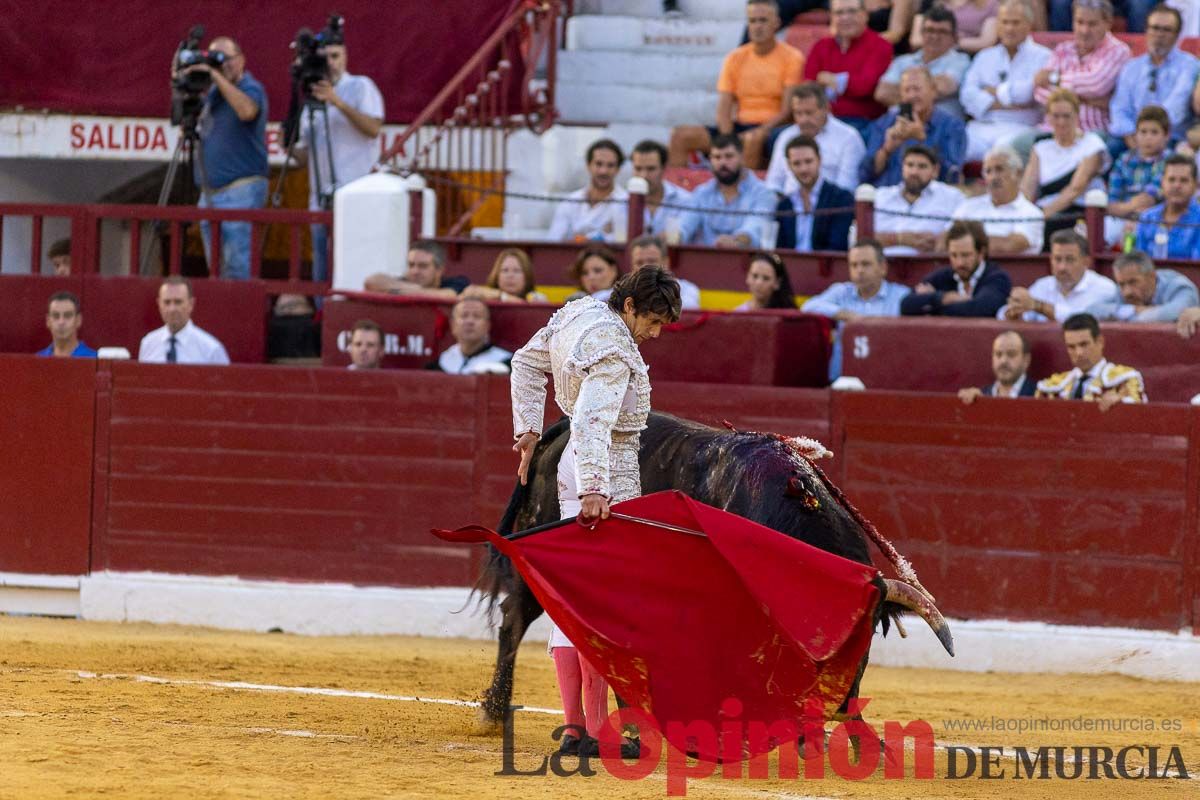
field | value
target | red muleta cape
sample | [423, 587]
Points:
[677, 622]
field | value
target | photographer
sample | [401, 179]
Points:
[233, 135]
[352, 119]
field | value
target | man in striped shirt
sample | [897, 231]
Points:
[1088, 65]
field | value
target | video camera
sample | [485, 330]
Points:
[188, 88]
[311, 64]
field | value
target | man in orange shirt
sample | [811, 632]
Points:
[754, 80]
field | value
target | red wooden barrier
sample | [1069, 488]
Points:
[47, 428]
[765, 349]
[1033, 510]
[939, 355]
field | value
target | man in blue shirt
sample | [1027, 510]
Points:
[63, 319]
[915, 121]
[732, 188]
[1149, 294]
[868, 293]
[1171, 229]
[1164, 77]
[233, 145]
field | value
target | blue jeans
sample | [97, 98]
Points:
[1134, 12]
[320, 241]
[235, 236]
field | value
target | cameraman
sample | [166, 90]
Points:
[355, 109]
[233, 135]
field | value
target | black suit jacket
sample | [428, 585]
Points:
[1028, 388]
[829, 231]
[991, 292]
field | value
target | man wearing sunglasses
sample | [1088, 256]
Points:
[939, 55]
[1164, 77]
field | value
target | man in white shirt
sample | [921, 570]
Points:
[1071, 288]
[842, 147]
[599, 210]
[472, 351]
[666, 203]
[1014, 226]
[347, 129]
[919, 194]
[179, 340]
[997, 91]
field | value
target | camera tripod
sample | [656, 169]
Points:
[322, 191]
[188, 152]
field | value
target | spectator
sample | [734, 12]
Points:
[940, 56]
[60, 257]
[1135, 182]
[355, 118]
[598, 210]
[849, 64]
[931, 201]
[1088, 65]
[425, 276]
[1134, 12]
[650, 250]
[1094, 378]
[1010, 365]
[179, 340]
[595, 270]
[649, 159]
[768, 283]
[1171, 229]
[868, 293]
[892, 19]
[366, 345]
[998, 88]
[732, 188]
[816, 224]
[1163, 76]
[970, 287]
[1064, 167]
[1014, 225]
[1151, 295]
[510, 281]
[232, 171]
[1071, 288]
[915, 121]
[841, 146]
[63, 319]
[975, 20]
[472, 351]
[750, 89]
[1189, 322]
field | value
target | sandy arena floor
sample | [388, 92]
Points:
[76, 721]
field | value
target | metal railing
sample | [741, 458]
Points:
[87, 236]
[458, 142]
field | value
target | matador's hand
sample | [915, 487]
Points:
[594, 508]
[525, 446]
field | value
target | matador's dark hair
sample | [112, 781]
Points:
[654, 291]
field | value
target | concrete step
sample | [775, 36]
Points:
[698, 9]
[678, 71]
[588, 102]
[680, 35]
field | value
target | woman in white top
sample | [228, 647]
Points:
[510, 281]
[768, 282]
[1065, 166]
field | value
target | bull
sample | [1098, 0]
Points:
[767, 478]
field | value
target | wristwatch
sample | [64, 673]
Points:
[1054, 77]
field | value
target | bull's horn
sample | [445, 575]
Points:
[902, 594]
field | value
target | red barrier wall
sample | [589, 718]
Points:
[764, 348]
[940, 355]
[47, 428]
[1031, 510]
[119, 311]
